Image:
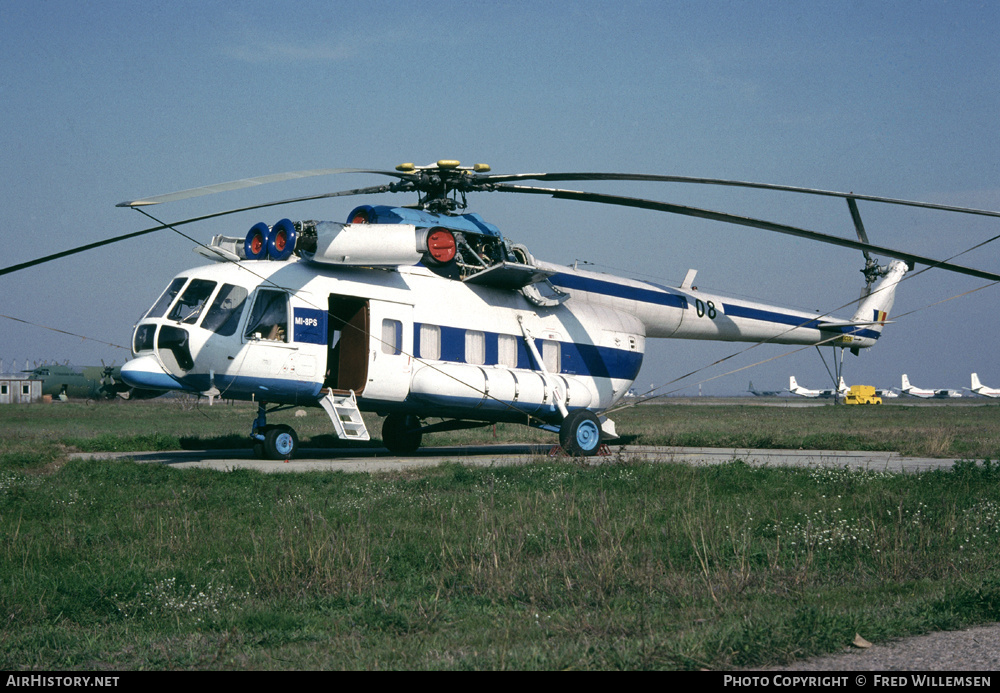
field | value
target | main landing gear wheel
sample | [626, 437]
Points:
[580, 433]
[280, 442]
[401, 433]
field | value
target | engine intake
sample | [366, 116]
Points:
[255, 246]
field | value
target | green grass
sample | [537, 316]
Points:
[967, 430]
[547, 566]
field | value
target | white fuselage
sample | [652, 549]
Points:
[407, 340]
[797, 389]
[923, 393]
[982, 390]
[401, 339]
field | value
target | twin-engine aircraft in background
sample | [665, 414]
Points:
[911, 391]
[65, 382]
[762, 393]
[797, 389]
[841, 391]
[427, 312]
[981, 389]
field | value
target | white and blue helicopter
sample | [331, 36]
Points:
[429, 312]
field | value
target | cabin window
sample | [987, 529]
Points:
[550, 356]
[269, 316]
[168, 296]
[507, 350]
[192, 303]
[224, 315]
[475, 347]
[430, 342]
[392, 336]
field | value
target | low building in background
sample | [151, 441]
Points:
[14, 390]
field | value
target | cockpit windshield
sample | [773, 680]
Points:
[160, 307]
[223, 316]
[192, 302]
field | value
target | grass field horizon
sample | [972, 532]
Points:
[967, 430]
[552, 565]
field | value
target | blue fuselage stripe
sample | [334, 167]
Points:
[630, 293]
[770, 316]
[575, 359]
[795, 321]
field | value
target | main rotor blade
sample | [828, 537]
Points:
[135, 234]
[745, 221]
[249, 182]
[502, 178]
[859, 225]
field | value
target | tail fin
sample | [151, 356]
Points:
[976, 385]
[906, 382]
[876, 305]
[842, 386]
[792, 385]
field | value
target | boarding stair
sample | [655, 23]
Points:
[345, 415]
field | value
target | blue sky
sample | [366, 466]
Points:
[120, 100]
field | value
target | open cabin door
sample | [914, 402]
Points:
[347, 344]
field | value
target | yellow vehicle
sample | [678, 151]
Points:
[862, 394]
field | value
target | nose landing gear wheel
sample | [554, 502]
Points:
[280, 442]
[580, 433]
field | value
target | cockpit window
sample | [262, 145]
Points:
[224, 315]
[189, 308]
[160, 307]
[269, 316]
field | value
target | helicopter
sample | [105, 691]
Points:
[428, 311]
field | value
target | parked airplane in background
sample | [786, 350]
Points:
[908, 389]
[888, 392]
[89, 382]
[763, 393]
[981, 389]
[797, 389]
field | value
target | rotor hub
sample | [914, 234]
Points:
[872, 270]
[442, 186]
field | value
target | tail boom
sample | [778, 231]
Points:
[686, 313]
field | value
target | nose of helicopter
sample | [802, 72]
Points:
[145, 372]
